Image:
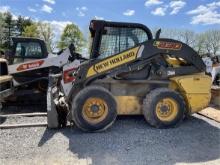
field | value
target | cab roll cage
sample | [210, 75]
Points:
[97, 27]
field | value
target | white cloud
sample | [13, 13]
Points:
[32, 9]
[206, 14]
[173, 6]
[176, 6]
[50, 1]
[84, 8]
[129, 12]
[57, 27]
[82, 11]
[81, 14]
[98, 18]
[4, 9]
[47, 8]
[214, 4]
[153, 2]
[160, 11]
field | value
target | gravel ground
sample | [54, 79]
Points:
[129, 141]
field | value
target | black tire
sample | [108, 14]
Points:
[150, 105]
[78, 104]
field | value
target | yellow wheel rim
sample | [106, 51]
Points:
[167, 109]
[94, 110]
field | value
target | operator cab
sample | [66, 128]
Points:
[26, 49]
[110, 38]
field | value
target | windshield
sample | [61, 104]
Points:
[116, 40]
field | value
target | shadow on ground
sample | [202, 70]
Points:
[131, 141]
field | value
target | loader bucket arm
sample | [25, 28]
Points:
[175, 48]
[144, 52]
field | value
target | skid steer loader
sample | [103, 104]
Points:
[29, 66]
[129, 73]
[30, 62]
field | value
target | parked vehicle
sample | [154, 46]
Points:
[6, 87]
[129, 72]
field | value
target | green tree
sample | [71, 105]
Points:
[31, 31]
[21, 23]
[72, 34]
[40, 30]
[46, 34]
[2, 31]
[10, 28]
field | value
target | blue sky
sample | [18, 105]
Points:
[197, 15]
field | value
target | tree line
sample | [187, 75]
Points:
[26, 27]
[204, 43]
[207, 42]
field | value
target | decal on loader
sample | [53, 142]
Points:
[30, 65]
[168, 45]
[113, 62]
